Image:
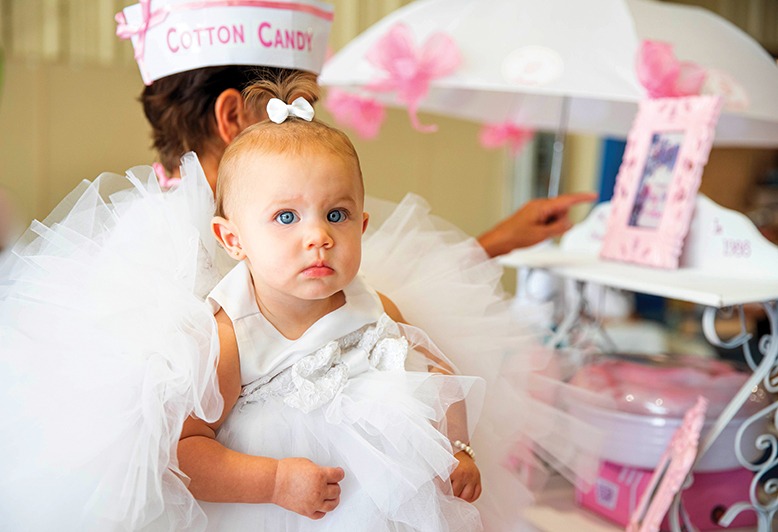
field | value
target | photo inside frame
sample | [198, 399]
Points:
[655, 181]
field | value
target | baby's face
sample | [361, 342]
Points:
[300, 221]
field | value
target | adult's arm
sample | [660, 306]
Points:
[536, 221]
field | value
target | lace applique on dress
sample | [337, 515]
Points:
[316, 379]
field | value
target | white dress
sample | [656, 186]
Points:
[340, 396]
[107, 345]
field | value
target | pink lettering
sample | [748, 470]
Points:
[223, 34]
[238, 34]
[271, 37]
[199, 32]
[170, 46]
[208, 36]
[186, 40]
[264, 26]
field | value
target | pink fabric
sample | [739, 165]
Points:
[663, 75]
[165, 182]
[125, 31]
[409, 70]
[507, 134]
[663, 390]
[671, 472]
[363, 115]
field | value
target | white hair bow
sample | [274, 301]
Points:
[278, 111]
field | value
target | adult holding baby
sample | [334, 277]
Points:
[121, 296]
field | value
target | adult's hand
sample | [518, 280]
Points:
[534, 222]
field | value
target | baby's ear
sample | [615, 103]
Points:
[365, 218]
[227, 235]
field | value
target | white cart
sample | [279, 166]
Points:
[726, 264]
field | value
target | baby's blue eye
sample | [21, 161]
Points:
[337, 215]
[286, 217]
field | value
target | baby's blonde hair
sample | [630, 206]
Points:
[294, 136]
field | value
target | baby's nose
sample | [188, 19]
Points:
[319, 237]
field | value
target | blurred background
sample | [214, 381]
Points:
[69, 111]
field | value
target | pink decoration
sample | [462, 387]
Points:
[507, 134]
[618, 488]
[658, 179]
[670, 473]
[663, 75]
[165, 182]
[409, 70]
[663, 387]
[723, 84]
[364, 115]
[125, 31]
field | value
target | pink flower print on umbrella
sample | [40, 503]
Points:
[409, 70]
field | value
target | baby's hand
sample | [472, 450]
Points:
[466, 478]
[307, 488]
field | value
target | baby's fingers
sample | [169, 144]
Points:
[326, 506]
[468, 492]
[334, 474]
[457, 485]
[330, 504]
[471, 492]
[332, 492]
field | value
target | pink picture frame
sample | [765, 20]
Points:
[671, 472]
[653, 200]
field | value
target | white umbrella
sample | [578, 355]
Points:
[569, 63]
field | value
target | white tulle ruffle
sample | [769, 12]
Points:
[442, 282]
[386, 428]
[106, 346]
[105, 349]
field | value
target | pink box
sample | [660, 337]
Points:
[617, 491]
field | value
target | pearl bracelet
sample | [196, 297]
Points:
[465, 447]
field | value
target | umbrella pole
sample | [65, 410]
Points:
[559, 149]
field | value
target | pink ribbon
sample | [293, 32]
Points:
[409, 70]
[165, 182]
[507, 134]
[364, 115]
[125, 31]
[663, 75]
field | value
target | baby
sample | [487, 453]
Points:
[321, 416]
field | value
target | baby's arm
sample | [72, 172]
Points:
[466, 478]
[219, 474]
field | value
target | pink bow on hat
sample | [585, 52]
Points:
[409, 70]
[150, 19]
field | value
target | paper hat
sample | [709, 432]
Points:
[171, 36]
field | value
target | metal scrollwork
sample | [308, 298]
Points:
[763, 491]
